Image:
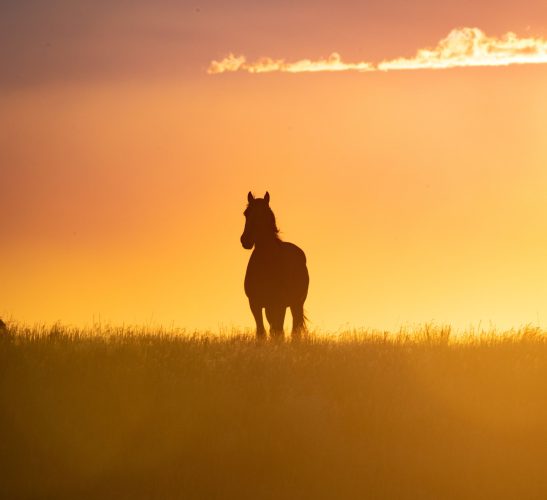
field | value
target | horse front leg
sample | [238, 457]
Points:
[276, 318]
[256, 309]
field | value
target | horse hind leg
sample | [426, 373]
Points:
[276, 318]
[298, 320]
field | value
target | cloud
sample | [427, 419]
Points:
[472, 47]
[267, 65]
[462, 47]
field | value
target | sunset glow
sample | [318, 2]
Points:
[126, 157]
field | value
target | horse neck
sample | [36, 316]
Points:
[267, 242]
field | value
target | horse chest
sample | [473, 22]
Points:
[266, 275]
[266, 266]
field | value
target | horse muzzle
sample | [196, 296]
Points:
[246, 242]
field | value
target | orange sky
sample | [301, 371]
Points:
[417, 196]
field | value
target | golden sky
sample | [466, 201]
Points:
[417, 195]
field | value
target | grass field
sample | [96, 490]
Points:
[123, 413]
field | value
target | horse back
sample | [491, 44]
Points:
[294, 253]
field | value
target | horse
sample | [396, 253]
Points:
[277, 276]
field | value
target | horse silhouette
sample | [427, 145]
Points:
[277, 276]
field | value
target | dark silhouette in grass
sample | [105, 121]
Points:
[277, 276]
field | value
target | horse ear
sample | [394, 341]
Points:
[250, 197]
[267, 197]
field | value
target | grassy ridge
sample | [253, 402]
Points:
[124, 414]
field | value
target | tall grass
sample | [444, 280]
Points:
[130, 413]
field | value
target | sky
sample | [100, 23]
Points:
[417, 195]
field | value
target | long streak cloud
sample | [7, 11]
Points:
[462, 47]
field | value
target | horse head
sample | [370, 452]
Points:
[259, 221]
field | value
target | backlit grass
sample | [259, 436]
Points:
[131, 413]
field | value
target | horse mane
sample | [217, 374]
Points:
[274, 224]
[271, 221]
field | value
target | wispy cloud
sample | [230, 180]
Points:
[461, 48]
[334, 62]
[472, 47]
